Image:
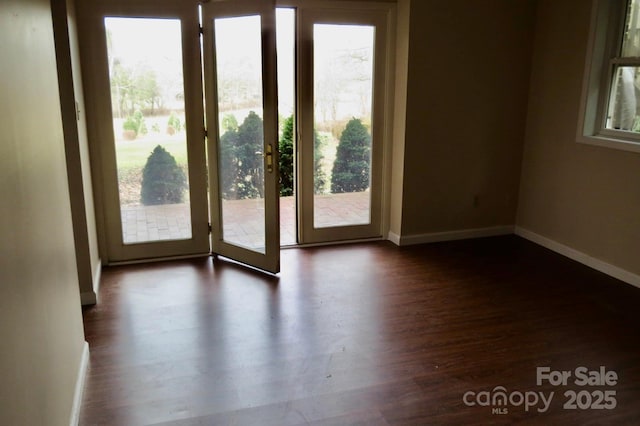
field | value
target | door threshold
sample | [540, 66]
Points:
[156, 259]
[332, 243]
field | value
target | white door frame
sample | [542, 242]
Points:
[378, 16]
[100, 126]
[269, 259]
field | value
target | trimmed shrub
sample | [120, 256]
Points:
[173, 125]
[134, 125]
[229, 122]
[353, 158]
[241, 163]
[248, 148]
[228, 164]
[285, 161]
[130, 128]
[319, 176]
[139, 120]
[163, 181]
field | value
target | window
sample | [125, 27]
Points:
[610, 113]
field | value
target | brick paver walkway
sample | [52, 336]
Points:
[244, 219]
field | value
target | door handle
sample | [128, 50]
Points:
[269, 156]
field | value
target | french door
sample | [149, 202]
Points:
[242, 120]
[146, 114]
[143, 85]
[182, 109]
[342, 54]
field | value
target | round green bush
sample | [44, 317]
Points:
[163, 181]
[353, 159]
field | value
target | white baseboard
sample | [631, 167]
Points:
[79, 390]
[578, 256]
[463, 234]
[91, 297]
[394, 238]
[97, 276]
[585, 259]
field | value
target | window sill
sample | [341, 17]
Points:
[609, 142]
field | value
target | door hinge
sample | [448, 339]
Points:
[200, 29]
[206, 134]
[210, 228]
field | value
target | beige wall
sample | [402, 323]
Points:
[403, 27]
[40, 318]
[77, 149]
[468, 79]
[582, 196]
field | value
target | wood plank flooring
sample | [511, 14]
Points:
[363, 334]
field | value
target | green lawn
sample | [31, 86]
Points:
[134, 154]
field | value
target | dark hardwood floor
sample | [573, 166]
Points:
[361, 334]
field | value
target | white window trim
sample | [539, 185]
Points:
[607, 19]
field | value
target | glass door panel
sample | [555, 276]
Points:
[342, 71]
[147, 100]
[142, 76]
[285, 37]
[241, 103]
[241, 134]
[343, 92]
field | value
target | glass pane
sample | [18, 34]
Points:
[623, 104]
[147, 96]
[285, 34]
[241, 166]
[343, 74]
[631, 40]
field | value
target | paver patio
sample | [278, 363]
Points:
[243, 220]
